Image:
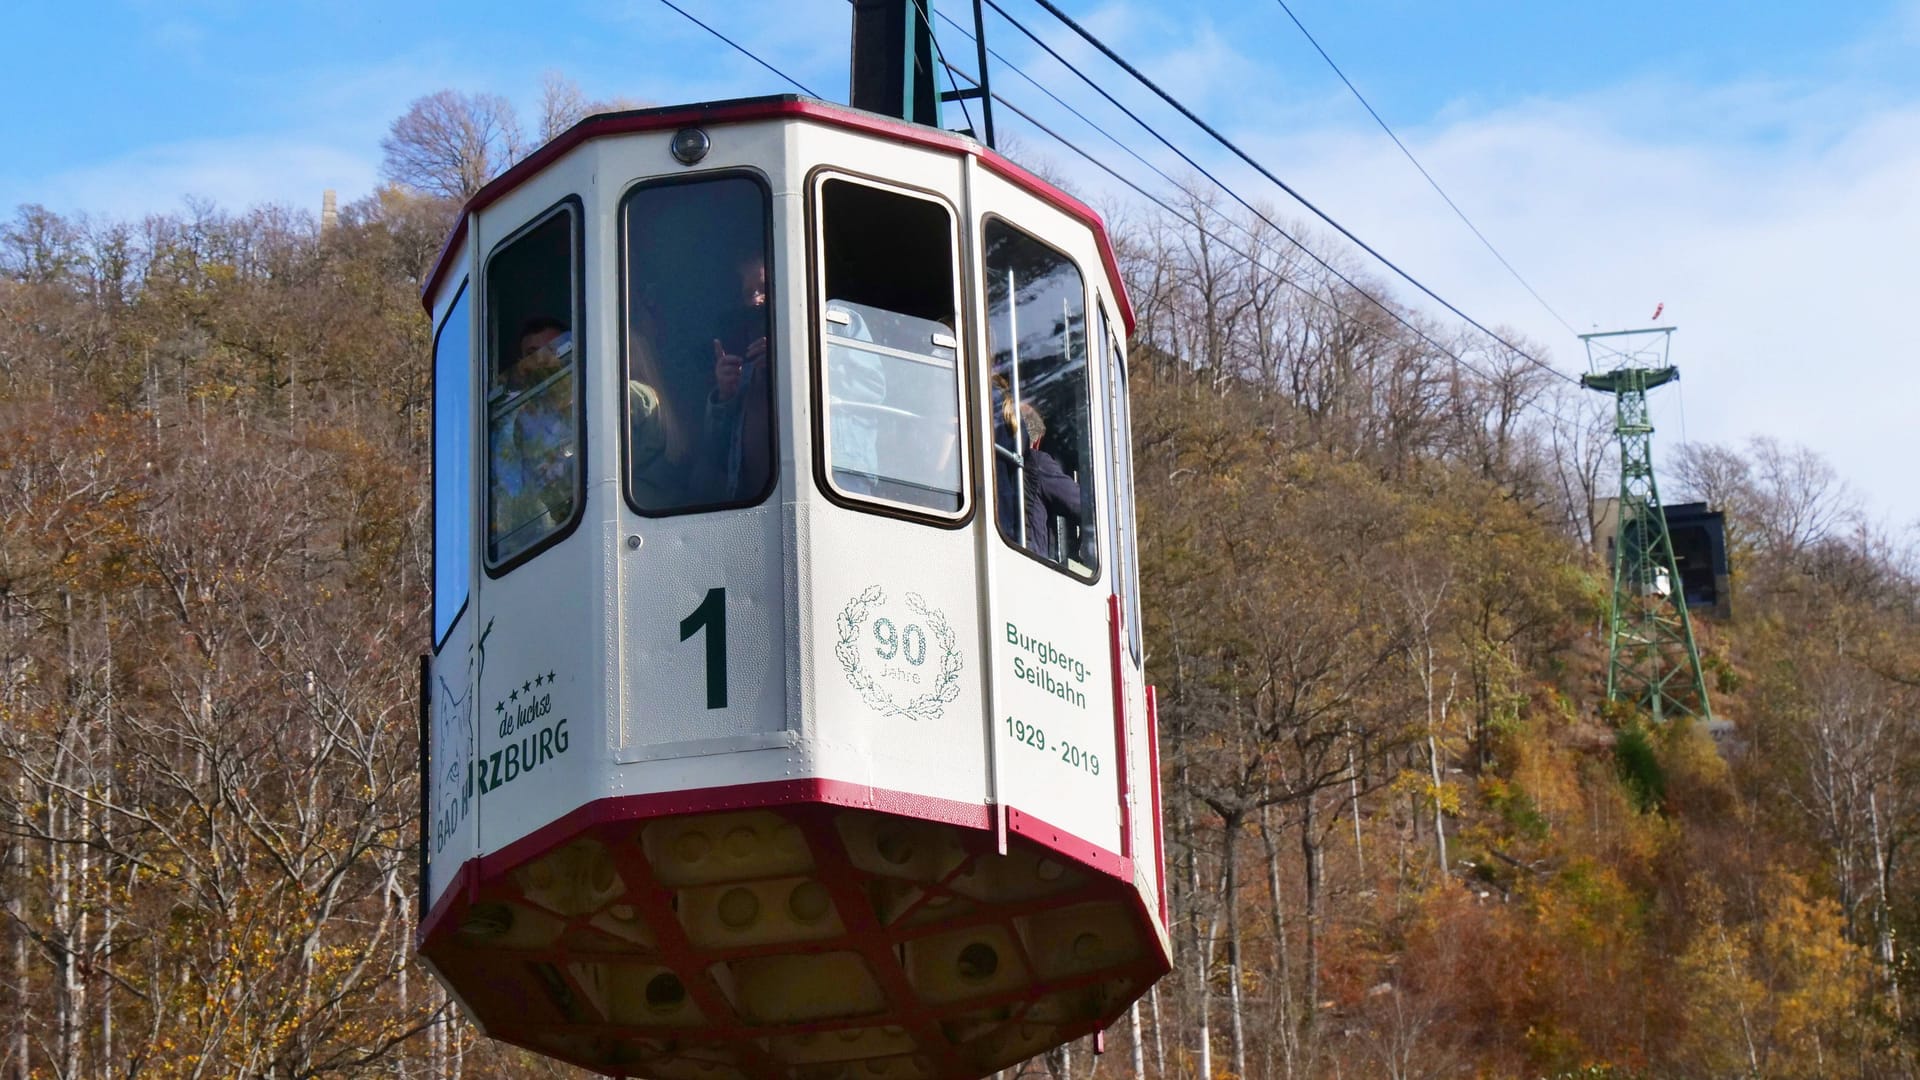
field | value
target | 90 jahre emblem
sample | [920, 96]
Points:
[900, 657]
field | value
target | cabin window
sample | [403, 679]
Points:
[1041, 401]
[1120, 520]
[534, 480]
[890, 372]
[452, 466]
[698, 311]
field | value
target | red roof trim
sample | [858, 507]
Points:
[729, 112]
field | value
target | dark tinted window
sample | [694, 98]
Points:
[534, 482]
[1042, 407]
[452, 466]
[699, 345]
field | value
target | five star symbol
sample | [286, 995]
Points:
[526, 688]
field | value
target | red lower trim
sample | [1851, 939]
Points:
[736, 797]
[1114, 630]
[484, 869]
[1159, 823]
[447, 899]
[1066, 843]
[542, 997]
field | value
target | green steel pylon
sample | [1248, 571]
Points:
[1652, 661]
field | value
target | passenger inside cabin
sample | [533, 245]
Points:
[533, 463]
[544, 343]
[735, 452]
[1006, 456]
[697, 345]
[1052, 497]
[655, 443]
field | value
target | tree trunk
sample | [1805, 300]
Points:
[1883, 915]
[1283, 977]
[1159, 1044]
[1312, 867]
[1436, 716]
[1202, 948]
[1139, 1048]
[1230, 897]
[21, 1047]
[1353, 804]
[1439, 807]
[110, 916]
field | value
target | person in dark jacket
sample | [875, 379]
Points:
[1050, 493]
[736, 459]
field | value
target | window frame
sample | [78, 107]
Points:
[965, 352]
[1095, 413]
[622, 281]
[433, 396]
[569, 204]
[1126, 523]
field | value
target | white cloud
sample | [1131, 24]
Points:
[1778, 222]
[233, 173]
[1780, 225]
[1788, 263]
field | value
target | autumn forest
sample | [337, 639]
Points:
[1406, 837]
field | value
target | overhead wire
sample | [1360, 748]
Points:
[1252, 259]
[1435, 184]
[1082, 117]
[1104, 132]
[1221, 184]
[1162, 174]
[955, 73]
[742, 49]
[1216, 135]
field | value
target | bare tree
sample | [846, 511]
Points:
[1800, 499]
[449, 143]
[562, 105]
[1579, 443]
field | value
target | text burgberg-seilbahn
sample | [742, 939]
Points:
[1039, 671]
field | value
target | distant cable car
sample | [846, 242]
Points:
[786, 714]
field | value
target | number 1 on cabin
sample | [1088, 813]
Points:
[712, 615]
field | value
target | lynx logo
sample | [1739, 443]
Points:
[452, 739]
[450, 783]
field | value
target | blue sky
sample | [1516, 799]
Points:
[1754, 166]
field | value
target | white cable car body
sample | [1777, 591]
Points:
[798, 730]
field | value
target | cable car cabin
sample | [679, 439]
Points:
[785, 708]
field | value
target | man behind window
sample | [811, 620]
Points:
[1050, 493]
[532, 438]
[736, 452]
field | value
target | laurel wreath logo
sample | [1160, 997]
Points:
[946, 685]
